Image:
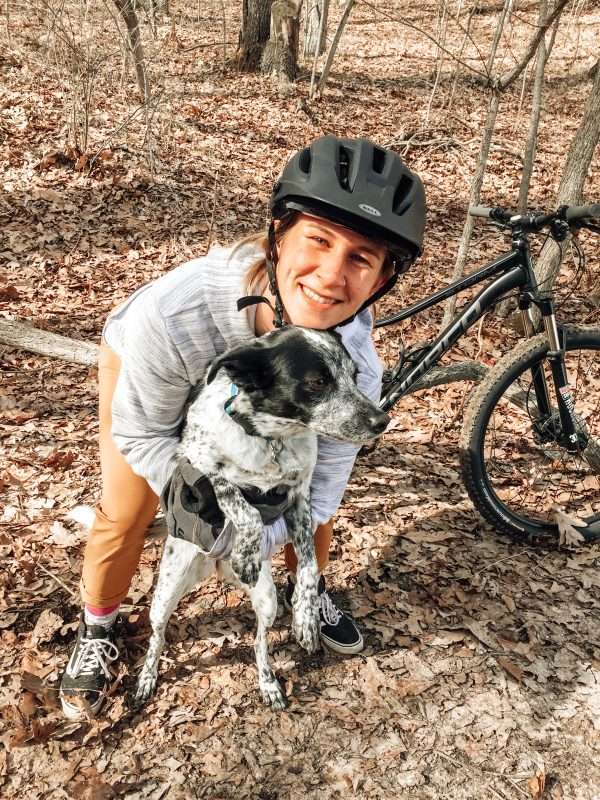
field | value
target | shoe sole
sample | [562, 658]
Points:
[77, 713]
[344, 650]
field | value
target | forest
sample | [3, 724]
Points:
[134, 136]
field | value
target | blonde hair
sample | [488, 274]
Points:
[257, 279]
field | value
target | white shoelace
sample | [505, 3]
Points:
[331, 613]
[94, 653]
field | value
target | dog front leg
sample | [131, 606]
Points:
[305, 602]
[246, 550]
[263, 597]
[182, 566]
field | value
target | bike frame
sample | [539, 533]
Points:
[514, 270]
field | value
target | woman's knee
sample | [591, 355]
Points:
[124, 520]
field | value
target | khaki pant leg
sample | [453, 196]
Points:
[127, 507]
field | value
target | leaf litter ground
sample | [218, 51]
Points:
[481, 668]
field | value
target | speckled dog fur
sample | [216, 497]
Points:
[293, 384]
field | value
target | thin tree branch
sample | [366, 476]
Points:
[505, 82]
[412, 26]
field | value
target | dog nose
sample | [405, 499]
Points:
[379, 422]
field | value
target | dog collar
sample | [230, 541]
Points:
[233, 393]
[275, 445]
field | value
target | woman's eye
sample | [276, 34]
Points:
[319, 240]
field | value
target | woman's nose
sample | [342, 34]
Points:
[332, 269]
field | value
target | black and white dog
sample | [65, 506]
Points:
[255, 425]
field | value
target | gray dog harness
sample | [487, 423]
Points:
[192, 512]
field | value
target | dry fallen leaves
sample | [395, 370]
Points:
[536, 784]
[569, 536]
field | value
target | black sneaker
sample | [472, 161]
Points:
[338, 631]
[87, 675]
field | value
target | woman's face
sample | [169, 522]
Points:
[325, 273]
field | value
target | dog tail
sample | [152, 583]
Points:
[83, 515]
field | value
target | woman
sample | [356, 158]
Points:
[347, 218]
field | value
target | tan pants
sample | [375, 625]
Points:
[127, 507]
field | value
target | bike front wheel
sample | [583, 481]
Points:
[519, 471]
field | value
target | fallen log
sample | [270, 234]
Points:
[22, 336]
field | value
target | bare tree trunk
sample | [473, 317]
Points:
[254, 34]
[442, 33]
[512, 76]
[315, 37]
[334, 45]
[322, 36]
[477, 181]
[543, 53]
[467, 32]
[474, 197]
[534, 120]
[280, 56]
[570, 189]
[127, 10]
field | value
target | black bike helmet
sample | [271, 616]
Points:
[359, 185]
[354, 183]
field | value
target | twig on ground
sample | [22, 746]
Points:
[58, 580]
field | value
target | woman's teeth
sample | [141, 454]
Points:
[326, 301]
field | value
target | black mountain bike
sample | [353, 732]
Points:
[530, 442]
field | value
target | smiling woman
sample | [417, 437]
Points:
[347, 219]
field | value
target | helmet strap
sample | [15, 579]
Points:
[271, 264]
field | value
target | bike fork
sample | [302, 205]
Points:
[556, 358]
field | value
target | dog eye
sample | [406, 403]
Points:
[315, 382]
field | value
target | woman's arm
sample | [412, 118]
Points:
[150, 396]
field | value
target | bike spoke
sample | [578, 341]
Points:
[534, 473]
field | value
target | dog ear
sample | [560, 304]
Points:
[248, 366]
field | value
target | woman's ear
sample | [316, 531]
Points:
[387, 270]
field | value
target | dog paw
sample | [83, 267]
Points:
[247, 569]
[145, 687]
[306, 624]
[272, 694]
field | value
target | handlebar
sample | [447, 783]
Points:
[535, 221]
[573, 213]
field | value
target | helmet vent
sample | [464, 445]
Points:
[345, 158]
[304, 161]
[378, 160]
[401, 195]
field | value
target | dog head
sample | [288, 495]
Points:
[297, 378]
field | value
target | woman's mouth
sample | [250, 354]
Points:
[318, 298]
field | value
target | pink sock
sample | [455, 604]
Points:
[101, 612]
